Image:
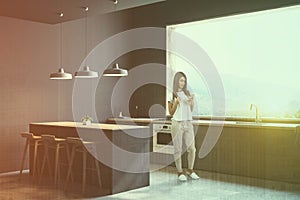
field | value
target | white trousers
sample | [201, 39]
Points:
[183, 131]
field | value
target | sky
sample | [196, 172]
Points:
[257, 56]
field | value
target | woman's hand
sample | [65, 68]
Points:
[177, 101]
[173, 105]
[191, 99]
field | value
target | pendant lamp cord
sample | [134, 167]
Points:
[86, 27]
[115, 5]
[61, 49]
[61, 14]
[115, 9]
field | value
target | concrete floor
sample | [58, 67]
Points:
[163, 185]
[211, 186]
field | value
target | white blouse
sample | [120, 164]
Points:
[183, 111]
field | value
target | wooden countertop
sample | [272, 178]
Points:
[129, 119]
[102, 126]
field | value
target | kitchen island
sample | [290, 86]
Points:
[122, 151]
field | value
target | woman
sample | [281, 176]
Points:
[181, 107]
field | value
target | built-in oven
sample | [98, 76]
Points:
[162, 138]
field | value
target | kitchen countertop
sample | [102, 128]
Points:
[102, 126]
[129, 119]
[245, 124]
[241, 124]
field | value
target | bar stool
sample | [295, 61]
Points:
[78, 145]
[31, 140]
[57, 144]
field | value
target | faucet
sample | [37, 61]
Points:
[256, 112]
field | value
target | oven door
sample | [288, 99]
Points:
[162, 139]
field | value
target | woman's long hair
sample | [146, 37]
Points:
[177, 76]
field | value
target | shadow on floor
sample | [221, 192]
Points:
[23, 186]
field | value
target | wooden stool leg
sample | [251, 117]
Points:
[69, 172]
[70, 163]
[98, 172]
[24, 156]
[43, 164]
[35, 157]
[84, 154]
[45, 159]
[56, 164]
[49, 164]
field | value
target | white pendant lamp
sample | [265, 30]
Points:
[61, 74]
[115, 71]
[86, 72]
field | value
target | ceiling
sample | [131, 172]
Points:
[47, 11]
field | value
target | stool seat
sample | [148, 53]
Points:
[31, 140]
[57, 144]
[78, 145]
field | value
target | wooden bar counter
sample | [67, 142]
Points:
[122, 151]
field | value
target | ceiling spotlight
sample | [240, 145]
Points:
[115, 2]
[86, 8]
[61, 14]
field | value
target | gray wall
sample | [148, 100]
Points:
[29, 52]
[180, 11]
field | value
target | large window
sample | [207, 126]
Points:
[257, 56]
